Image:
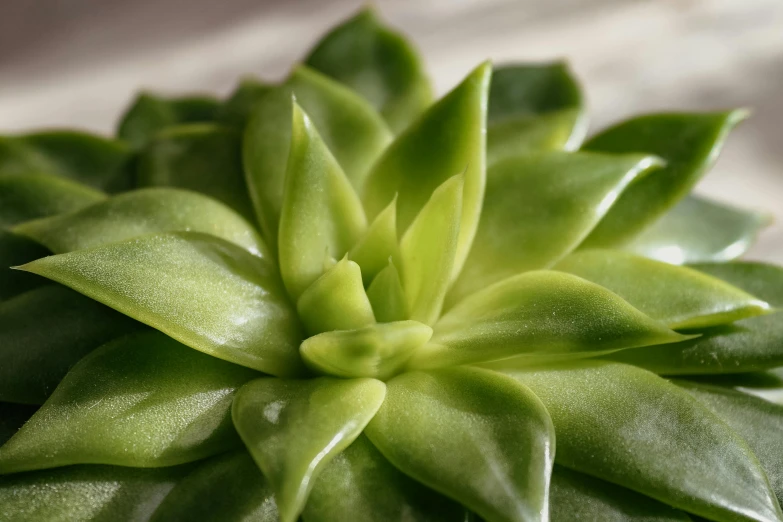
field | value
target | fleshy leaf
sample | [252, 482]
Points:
[203, 291]
[632, 428]
[387, 296]
[698, 230]
[378, 245]
[360, 484]
[294, 428]
[336, 301]
[767, 385]
[446, 140]
[539, 316]
[28, 196]
[350, 128]
[760, 279]
[141, 212]
[17, 250]
[688, 142]
[127, 404]
[200, 157]
[379, 64]
[538, 207]
[12, 417]
[99, 162]
[229, 487]
[321, 211]
[378, 350]
[236, 110]
[677, 296]
[86, 493]
[44, 332]
[559, 130]
[474, 435]
[150, 114]
[428, 251]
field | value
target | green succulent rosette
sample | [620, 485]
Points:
[335, 299]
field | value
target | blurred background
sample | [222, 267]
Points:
[77, 63]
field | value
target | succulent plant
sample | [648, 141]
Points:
[335, 299]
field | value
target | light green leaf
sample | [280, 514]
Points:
[150, 114]
[379, 244]
[379, 64]
[348, 125]
[321, 212]
[336, 301]
[446, 140]
[28, 196]
[360, 484]
[86, 494]
[128, 404]
[44, 332]
[688, 142]
[698, 230]
[538, 207]
[141, 212]
[229, 487]
[387, 296]
[559, 130]
[760, 279]
[378, 350]
[677, 296]
[294, 428]
[539, 316]
[474, 435]
[632, 428]
[12, 417]
[236, 110]
[203, 291]
[428, 251]
[17, 250]
[200, 157]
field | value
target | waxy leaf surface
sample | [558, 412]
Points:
[559, 130]
[149, 114]
[760, 279]
[387, 296]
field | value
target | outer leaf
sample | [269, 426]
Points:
[203, 291]
[321, 212]
[44, 332]
[761, 279]
[127, 404]
[447, 139]
[86, 494]
[294, 428]
[150, 114]
[630, 427]
[141, 212]
[236, 110]
[689, 143]
[540, 316]
[698, 230]
[558, 130]
[17, 250]
[539, 207]
[472, 434]
[229, 487]
[768, 385]
[349, 126]
[360, 484]
[379, 244]
[379, 64]
[387, 296]
[677, 296]
[12, 417]
[428, 251]
[203, 158]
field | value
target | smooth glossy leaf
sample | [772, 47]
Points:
[379, 64]
[558, 130]
[44, 332]
[428, 251]
[12, 417]
[387, 296]
[336, 301]
[760, 279]
[378, 350]
[360, 484]
[201, 157]
[17, 250]
[294, 428]
[128, 404]
[677, 296]
[203, 291]
[86, 494]
[321, 212]
[150, 114]
[474, 435]
[539, 316]
[538, 207]
[350, 128]
[447, 140]
[632, 428]
[236, 110]
[688, 142]
[379, 244]
[141, 212]
[698, 230]
[28, 196]
[226, 488]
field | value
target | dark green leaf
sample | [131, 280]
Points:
[12, 416]
[16, 250]
[236, 110]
